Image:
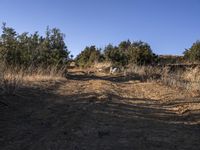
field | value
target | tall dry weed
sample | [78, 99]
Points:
[11, 79]
[184, 78]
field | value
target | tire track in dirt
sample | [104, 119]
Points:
[133, 92]
[101, 113]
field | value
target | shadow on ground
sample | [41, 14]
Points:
[39, 119]
[112, 78]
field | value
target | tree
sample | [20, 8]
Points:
[193, 54]
[124, 45]
[32, 49]
[57, 47]
[9, 44]
[140, 53]
[116, 55]
[125, 53]
[88, 56]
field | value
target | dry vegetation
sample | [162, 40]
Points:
[14, 78]
[182, 77]
[129, 110]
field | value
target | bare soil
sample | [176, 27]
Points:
[89, 112]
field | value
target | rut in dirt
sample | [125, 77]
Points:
[100, 112]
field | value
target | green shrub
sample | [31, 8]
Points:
[88, 57]
[32, 49]
[139, 53]
[193, 54]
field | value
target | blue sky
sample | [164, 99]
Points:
[169, 26]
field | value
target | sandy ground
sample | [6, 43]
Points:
[89, 112]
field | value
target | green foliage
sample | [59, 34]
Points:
[193, 54]
[124, 45]
[116, 55]
[32, 50]
[88, 56]
[139, 53]
[170, 59]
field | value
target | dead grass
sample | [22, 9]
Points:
[99, 113]
[183, 78]
[13, 78]
[102, 65]
[10, 80]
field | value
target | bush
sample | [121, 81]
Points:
[32, 50]
[140, 53]
[115, 55]
[125, 53]
[193, 54]
[88, 57]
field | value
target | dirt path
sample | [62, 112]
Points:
[99, 112]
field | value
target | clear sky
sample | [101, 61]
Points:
[169, 26]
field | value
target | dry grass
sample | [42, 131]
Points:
[184, 78]
[146, 73]
[91, 110]
[41, 74]
[12, 78]
[102, 65]
[187, 78]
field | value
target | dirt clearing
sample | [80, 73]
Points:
[87, 112]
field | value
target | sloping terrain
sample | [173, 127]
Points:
[87, 112]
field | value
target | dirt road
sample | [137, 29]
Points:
[88, 112]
